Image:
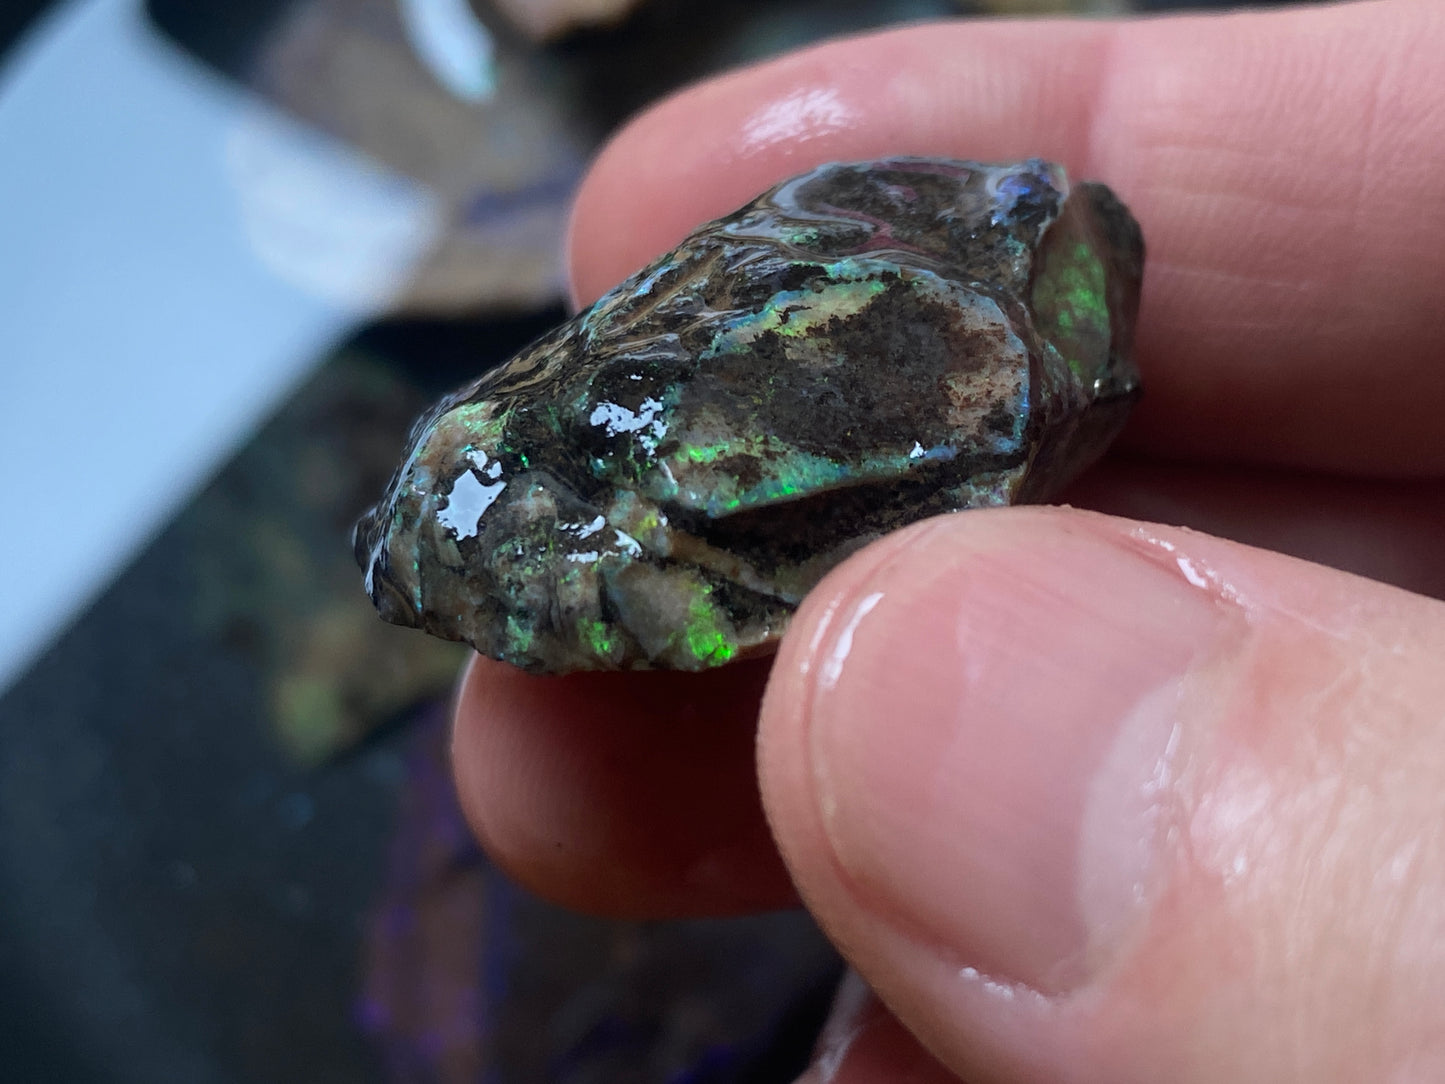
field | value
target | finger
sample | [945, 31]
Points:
[1286, 168]
[863, 1043]
[1089, 800]
[554, 772]
[620, 794]
[1391, 531]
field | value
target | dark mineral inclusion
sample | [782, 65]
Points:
[659, 481]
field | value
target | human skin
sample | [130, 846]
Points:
[1080, 798]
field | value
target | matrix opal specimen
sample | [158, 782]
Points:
[659, 481]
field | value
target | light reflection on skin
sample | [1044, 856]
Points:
[807, 113]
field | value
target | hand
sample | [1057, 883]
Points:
[1081, 799]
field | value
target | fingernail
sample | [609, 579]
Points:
[992, 724]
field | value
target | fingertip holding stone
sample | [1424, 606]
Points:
[994, 721]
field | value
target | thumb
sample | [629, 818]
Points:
[1085, 800]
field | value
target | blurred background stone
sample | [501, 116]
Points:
[543, 20]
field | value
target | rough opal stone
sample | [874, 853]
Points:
[660, 481]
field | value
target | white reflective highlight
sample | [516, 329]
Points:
[454, 45]
[467, 504]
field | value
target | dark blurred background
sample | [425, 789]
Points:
[242, 243]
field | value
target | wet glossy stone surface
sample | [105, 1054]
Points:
[660, 481]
